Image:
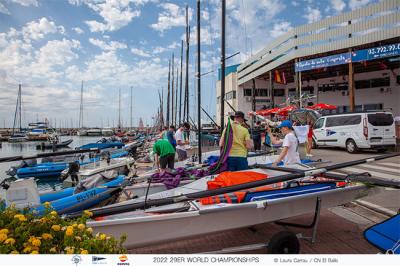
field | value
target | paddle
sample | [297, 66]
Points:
[46, 154]
[196, 195]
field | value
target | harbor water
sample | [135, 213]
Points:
[29, 148]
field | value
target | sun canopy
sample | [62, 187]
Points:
[322, 106]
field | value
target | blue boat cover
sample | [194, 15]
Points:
[386, 235]
[101, 146]
[288, 192]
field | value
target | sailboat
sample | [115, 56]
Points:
[17, 136]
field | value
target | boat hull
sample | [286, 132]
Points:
[150, 229]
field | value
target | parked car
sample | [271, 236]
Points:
[354, 131]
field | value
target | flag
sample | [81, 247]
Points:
[277, 77]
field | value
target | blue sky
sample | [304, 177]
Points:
[49, 46]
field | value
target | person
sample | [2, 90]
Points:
[171, 136]
[290, 144]
[237, 158]
[181, 142]
[163, 133]
[256, 136]
[164, 155]
[309, 138]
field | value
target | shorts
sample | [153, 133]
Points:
[168, 160]
[182, 154]
[237, 163]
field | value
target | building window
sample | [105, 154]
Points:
[262, 100]
[279, 92]
[373, 106]
[373, 83]
[246, 92]
[343, 86]
[262, 92]
[230, 95]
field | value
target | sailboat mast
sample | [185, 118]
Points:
[222, 102]
[131, 105]
[20, 104]
[176, 97]
[119, 108]
[172, 90]
[81, 108]
[187, 65]
[169, 88]
[198, 75]
[180, 87]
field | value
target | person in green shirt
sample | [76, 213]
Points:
[164, 155]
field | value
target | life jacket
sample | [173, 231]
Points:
[227, 179]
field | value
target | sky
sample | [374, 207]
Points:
[51, 46]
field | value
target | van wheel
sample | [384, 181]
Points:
[351, 146]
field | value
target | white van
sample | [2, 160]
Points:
[353, 131]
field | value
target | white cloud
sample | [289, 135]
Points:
[354, 4]
[280, 28]
[116, 14]
[26, 2]
[78, 30]
[171, 16]
[139, 52]
[312, 14]
[294, 3]
[4, 10]
[338, 5]
[111, 46]
[36, 30]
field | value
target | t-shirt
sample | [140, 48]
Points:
[179, 137]
[163, 148]
[291, 142]
[240, 136]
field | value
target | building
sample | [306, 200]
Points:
[350, 60]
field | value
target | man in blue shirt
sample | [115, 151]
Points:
[171, 136]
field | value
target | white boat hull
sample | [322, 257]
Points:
[144, 228]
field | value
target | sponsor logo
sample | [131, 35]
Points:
[99, 260]
[330, 132]
[123, 260]
[76, 259]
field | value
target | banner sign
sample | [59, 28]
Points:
[345, 58]
[376, 53]
[332, 60]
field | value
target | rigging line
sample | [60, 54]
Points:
[244, 25]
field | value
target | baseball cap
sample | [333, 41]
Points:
[285, 123]
[240, 114]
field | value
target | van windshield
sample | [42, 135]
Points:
[380, 119]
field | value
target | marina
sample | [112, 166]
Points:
[176, 137]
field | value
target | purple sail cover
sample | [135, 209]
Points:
[172, 180]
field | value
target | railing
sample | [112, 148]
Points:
[366, 25]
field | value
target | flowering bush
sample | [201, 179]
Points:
[23, 232]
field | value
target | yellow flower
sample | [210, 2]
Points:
[10, 241]
[47, 204]
[84, 251]
[56, 227]
[36, 242]
[89, 230]
[88, 213]
[53, 250]
[69, 231]
[4, 231]
[46, 236]
[14, 252]
[75, 225]
[102, 237]
[2, 237]
[27, 249]
[54, 213]
[34, 252]
[70, 250]
[81, 226]
[20, 217]
[78, 238]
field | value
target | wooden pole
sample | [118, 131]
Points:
[271, 90]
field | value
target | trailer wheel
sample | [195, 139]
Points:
[284, 242]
